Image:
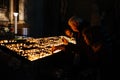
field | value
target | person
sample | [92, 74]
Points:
[89, 50]
[89, 47]
[86, 35]
[77, 25]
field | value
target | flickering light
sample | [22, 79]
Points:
[35, 48]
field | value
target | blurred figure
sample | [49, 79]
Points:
[77, 25]
[90, 43]
[89, 52]
[91, 49]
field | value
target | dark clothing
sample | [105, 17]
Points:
[80, 50]
[86, 62]
[84, 55]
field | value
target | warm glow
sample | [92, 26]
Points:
[35, 48]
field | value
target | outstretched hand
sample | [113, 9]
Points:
[65, 42]
[61, 47]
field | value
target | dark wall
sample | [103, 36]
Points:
[49, 17]
[107, 10]
[43, 17]
[34, 17]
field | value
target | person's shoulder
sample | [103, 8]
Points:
[92, 29]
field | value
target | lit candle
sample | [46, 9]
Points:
[15, 14]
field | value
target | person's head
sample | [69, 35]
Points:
[77, 24]
[73, 22]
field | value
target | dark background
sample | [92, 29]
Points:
[49, 17]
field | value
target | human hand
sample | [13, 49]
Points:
[68, 33]
[61, 47]
[53, 48]
[65, 42]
